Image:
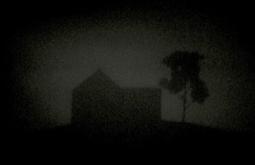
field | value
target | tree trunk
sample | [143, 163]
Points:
[184, 104]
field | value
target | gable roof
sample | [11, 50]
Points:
[100, 79]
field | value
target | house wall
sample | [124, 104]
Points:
[101, 103]
[142, 105]
[95, 106]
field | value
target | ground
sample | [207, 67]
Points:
[160, 134]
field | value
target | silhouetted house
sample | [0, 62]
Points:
[99, 100]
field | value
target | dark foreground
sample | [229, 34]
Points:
[157, 135]
[164, 141]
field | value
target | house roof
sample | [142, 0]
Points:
[98, 78]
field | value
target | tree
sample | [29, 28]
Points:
[185, 69]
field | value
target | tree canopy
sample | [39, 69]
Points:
[185, 69]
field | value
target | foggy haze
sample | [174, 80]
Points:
[54, 56]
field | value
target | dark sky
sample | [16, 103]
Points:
[55, 47]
